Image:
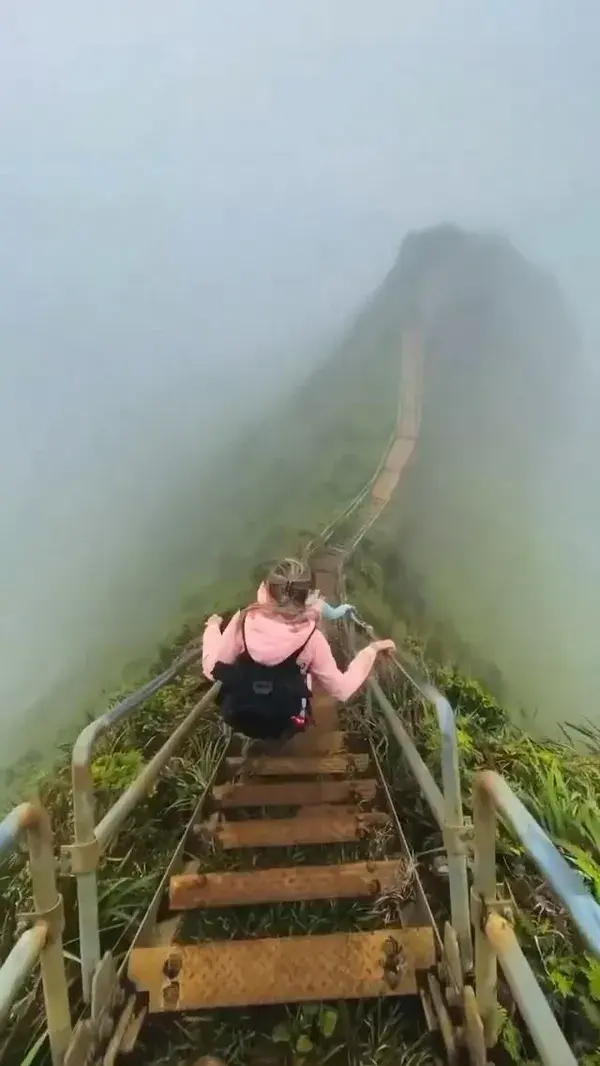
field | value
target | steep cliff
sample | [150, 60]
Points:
[477, 543]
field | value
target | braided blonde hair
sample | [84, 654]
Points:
[288, 585]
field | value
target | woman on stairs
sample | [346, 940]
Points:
[313, 601]
[271, 653]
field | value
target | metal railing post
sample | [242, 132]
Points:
[90, 840]
[107, 829]
[43, 939]
[85, 865]
[484, 897]
[454, 829]
[533, 1005]
[18, 965]
[325, 534]
[84, 853]
[49, 908]
[421, 772]
[446, 805]
[562, 879]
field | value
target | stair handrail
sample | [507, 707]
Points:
[490, 916]
[493, 798]
[42, 939]
[82, 857]
[495, 937]
[324, 536]
[90, 840]
[446, 803]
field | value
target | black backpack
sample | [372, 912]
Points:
[263, 702]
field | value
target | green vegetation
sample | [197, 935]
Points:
[271, 490]
[558, 782]
[132, 868]
[500, 512]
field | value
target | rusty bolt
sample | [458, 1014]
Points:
[172, 966]
[390, 948]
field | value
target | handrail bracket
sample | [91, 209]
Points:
[80, 858]
[458, 839]
[481, 909]
[53, 918]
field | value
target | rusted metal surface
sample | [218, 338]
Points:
[326, 810]
[233, 795]
[325, 713]
[333, 827]
[91, 839]
[164, 932]
[285, 885]
[242, 973]
[316, 742]
[300, 766]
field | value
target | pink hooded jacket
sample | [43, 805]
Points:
[270, 640]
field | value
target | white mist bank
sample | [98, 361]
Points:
[192, 198]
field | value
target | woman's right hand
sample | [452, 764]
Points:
[383, 645]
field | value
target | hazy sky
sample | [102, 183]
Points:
[186, 187]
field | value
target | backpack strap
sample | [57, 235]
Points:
[292, 658]
[243, 630]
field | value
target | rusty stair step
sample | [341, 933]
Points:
[329, 827]
[325, 713]
[237, 888]
[234, 794]
[317, 742]
[299, 766]
[245, 973]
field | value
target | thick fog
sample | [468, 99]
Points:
[192, 198]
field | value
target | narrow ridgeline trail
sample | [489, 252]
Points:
[291, 867]
[292, 924]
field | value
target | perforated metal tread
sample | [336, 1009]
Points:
[234, 794]
[330, 825]
[317, 742]
[299, 766]
[234, 888]
[243, 973]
